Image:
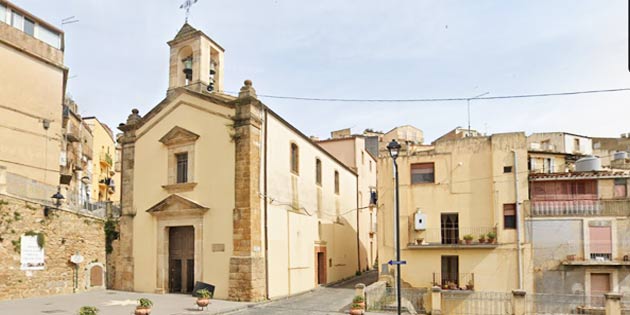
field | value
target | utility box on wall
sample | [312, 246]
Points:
[420, 220]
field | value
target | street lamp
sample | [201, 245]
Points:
[58, 197]
[394, 149]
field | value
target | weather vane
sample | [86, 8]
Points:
[186, 5]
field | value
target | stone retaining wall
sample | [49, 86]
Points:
[65, 233]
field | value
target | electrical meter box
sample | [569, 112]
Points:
[420, 221]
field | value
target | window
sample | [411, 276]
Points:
[450, 271]
[3, 13]
[507, 169]
[422, 173]
[576, 144]
[362, 158]
[17, 21]
[29, 27]
[509, 216]
[370, 162]
[182, 167]
[449, 228]
[49, 37]
[600, 242]
[318, 172]
[336, 182]
[295, 158]
[620, 190]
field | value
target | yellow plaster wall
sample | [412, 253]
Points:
[102, 143]
[27, 148]
[214, 174]
[294, 233]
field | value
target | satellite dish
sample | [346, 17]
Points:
[76, 259]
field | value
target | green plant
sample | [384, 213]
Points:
[492, 235]
[40, 238]
[468, 237]
[88, 310]
[145, 303]
[110, 235]
[356, 306]
[358, 273]
[17, 245]
[204, 294]
[358, 299]
[482, 236]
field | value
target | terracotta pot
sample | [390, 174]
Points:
[356, 311]
[468, 242]
[491, 240]
[482, 240]
[203, 302]
[142, 311]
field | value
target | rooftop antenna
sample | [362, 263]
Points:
[186, 5]
[68, 20]
[468, 102]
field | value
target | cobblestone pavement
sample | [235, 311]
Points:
[335, 299]
[114, 303]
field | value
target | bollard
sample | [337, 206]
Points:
[613, 303]
[436, 300]
[518, 302]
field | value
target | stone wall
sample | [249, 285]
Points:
[65, 233]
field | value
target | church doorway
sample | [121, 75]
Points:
[181, 259]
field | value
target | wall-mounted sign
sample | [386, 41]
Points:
[76, 259]
[31, 255]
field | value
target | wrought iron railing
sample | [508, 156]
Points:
[453, 236]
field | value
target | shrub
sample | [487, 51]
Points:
[204, 294]
[492, 235]
[358, 299]
[88, 310]
[145, 303]
[468, 237]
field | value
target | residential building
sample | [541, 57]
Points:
[223, 190]
[351, 150]
[372, 140]
[105, 177]
[405, 134]
[39, 234]
[551, 152]
[459, 133]
[613, 152]
[578, 226]
[466, 188]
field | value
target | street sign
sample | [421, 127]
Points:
[393, 262]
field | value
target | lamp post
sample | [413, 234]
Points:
[57, 197]
[394, 149]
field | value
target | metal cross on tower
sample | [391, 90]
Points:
[186, 5]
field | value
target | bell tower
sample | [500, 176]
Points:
[196, 61]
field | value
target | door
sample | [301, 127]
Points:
[450, 270]
[181, 259]
[600, 284]
[321, 268]
[450, 228]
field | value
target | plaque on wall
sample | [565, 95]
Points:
[31, 255]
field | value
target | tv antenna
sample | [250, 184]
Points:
[68, 20]
[468, 102]
[187, 5]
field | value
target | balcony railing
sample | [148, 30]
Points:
[454, 281]
[577, 208]
[453, 236]
[106, 158]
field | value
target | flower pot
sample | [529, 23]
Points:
[419, 241]
[203, 302]
[356, 311]
[470, 287]
[142, 311]
[491, 240]
[482, 240]
[468, 242]
[570, 257]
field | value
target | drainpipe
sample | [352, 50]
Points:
[518, 224]
[358, 238]
[265, 207]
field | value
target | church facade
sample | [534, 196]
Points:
[221, 189]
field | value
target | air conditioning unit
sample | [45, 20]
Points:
[420, 221]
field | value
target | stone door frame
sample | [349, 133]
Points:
[164, 223]
[88, 274]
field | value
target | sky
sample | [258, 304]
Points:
[118, 59]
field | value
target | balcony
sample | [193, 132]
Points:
[577, 208]
[106, 159]
[454, 281]
[454, 238]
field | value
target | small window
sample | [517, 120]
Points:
[509, 216]
[507, 169]
[318, 172]
[576, 144]
[370, 162]
[295, 158]
[182, 167]
[49, 37]
[620, 189]
[17, 21]
[422, 173]
[3, 13]
[336, 182]
[362, 158]
[29, 27]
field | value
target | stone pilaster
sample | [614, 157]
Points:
[124, 259]
[247, 265]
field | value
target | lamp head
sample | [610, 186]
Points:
[394, 149]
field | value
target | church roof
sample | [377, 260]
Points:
[188, 31]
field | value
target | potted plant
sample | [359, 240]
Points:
[88, 310]
[203, 298]
[468, 239]
[482, 238]
[470, 285]
[419, 241]
[356, 309]
[452, 285]
[359, 300]
[492, 236]
[143, 307]
[571, 257]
